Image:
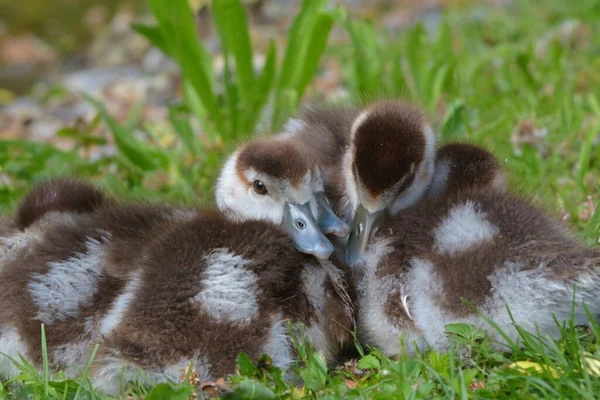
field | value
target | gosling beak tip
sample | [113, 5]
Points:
[330, 223]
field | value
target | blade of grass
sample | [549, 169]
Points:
[368, 64]
[232, 25]
[128, 144]
[295, 57]
[232, 100]
[155, 35]
[44, 361]
[262, 89]
[86, 371]
[315, 49]
[176, 20]
[184, 131]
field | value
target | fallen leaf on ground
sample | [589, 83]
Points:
[350, 384]
[526, 366]
[473, 386]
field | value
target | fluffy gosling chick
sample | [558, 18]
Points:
[157, 288]
[271, 180]
[486, 246]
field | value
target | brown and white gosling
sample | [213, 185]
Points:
[470, 239]
[391, 164]
[157, 288]
[272, 180]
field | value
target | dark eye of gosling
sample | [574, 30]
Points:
[259, 188]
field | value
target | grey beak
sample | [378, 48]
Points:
[364, 226]
[329, 223]
[301, 226]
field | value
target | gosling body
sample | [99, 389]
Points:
[157, 288]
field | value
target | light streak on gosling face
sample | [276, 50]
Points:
[387, 168]
[270, 181]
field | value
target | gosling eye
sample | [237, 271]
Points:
[259, 188]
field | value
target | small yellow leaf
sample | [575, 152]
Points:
[297, 393]
[530, 365]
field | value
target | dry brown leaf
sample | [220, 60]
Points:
[350, 384]
[476, 385]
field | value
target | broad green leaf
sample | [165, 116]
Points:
[155, 35]
[285, 107]
[369, 362]
[246, 366]
[131, 147]
[251, 389]
[184, 131]
[232, 25]
[438, 80]
[195, 104]
[162, 391]
[233, 107]
[262, 89]
[295, 57]
[298, 39]
[453, 120]
[316, 47]
[416, 47]
[459, 329]
[400, 86]
[178, 28]
[315, 373]
[592, 229]
[368, 65]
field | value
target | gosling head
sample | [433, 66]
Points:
[388, 167]
[271, 181]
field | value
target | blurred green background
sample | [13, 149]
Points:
[151, 111]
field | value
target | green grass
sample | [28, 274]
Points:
[490, 76]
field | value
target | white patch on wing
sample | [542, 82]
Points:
[11, 346]
[68, 285]
[424, 288]
[230, 290]
[120, 305]
[463, 228]
[114, 372]
[533, 297]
